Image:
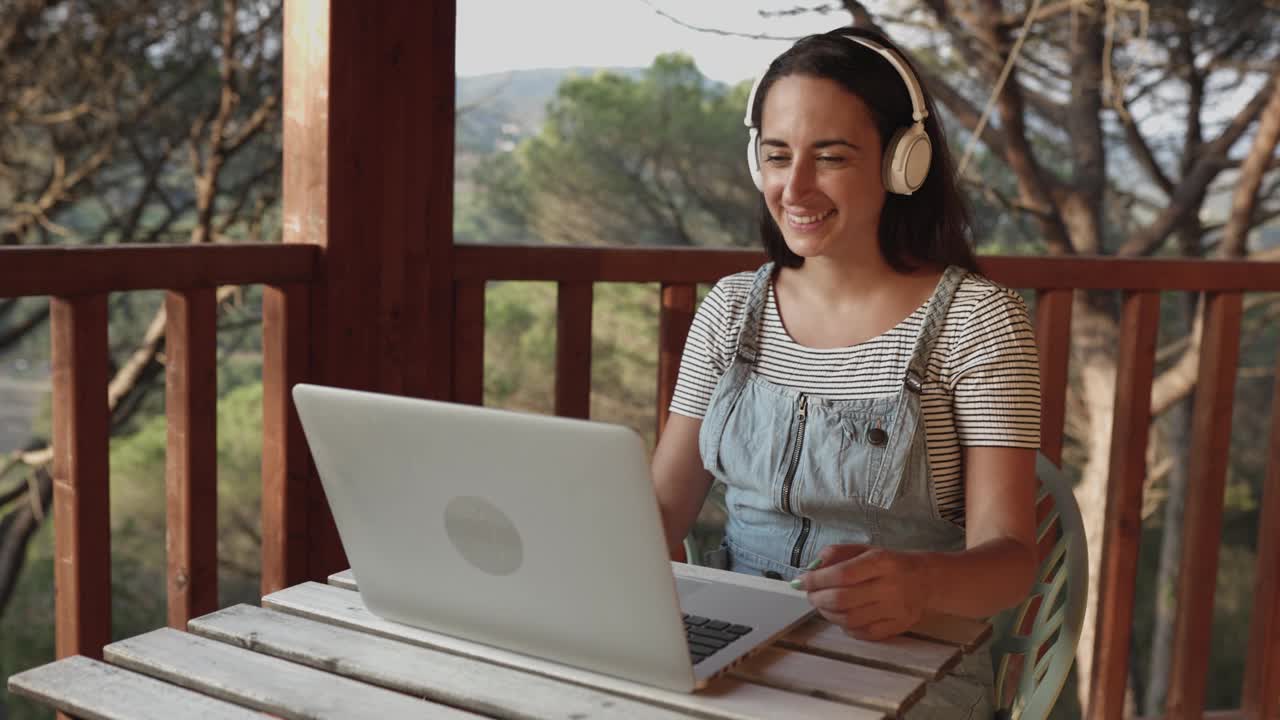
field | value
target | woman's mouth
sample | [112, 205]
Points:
[808, 222]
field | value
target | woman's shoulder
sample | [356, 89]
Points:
[977, 293]
[729, 294]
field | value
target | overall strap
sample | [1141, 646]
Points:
[753, 315]
[934, 314]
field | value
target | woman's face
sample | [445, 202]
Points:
[820, 160]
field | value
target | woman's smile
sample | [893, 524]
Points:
[808, 221]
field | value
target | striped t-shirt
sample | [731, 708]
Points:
[982, 382]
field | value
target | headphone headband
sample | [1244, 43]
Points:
[918, 110]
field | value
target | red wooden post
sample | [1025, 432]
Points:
[674, 320]
[573, 349]
[191, 476]
[468, 342]
[1123, 519]
[1053, 336]
[1202, 524]
[286, 464]
[81, 521]
[1261, 696]
[368, 175]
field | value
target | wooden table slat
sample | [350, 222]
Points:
[727, 698]
[924, 658]
[94, 690]
[822, 677]
[454, 680]
[262, 682]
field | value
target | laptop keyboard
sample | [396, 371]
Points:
[706, 636]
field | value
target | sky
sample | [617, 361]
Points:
[499, 35]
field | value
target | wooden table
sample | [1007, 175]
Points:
[315, 651]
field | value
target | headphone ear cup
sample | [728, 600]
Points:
[907, 157]
[753, 159]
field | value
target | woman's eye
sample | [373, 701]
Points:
[830, 159]
[776, 159]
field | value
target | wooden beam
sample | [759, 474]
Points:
[468, 343]
[1122, 526]
[191, 460]
[1202, 524]
[368, 175]
[674, 319]
[87, 270]
[697, 265]
[1053, 337]
[81, 519]
[1261, 695]
[573, 349]
[287, 475]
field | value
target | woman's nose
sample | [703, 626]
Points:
[800, 180]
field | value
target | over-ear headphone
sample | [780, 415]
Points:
[907, 153]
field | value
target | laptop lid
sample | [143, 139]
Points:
[533, 533]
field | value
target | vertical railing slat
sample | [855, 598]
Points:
[468, 342]
[287, 478]
[191, 489]
[1202, 525]
[81, 520]
[1122, 526]
[573, 349]
[1260, 699]
[1053, 336]
[674, 319]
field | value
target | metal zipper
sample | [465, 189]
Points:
[802, 414]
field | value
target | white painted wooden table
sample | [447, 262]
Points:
[314, 651]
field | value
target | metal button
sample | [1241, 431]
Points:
[772, 575]
[877, 437]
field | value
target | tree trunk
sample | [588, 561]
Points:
[1095, 336]
[1166, 582]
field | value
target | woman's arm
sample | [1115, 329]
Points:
[876, 593]
[679, 479]
[998, 565]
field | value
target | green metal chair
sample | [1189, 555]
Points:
[1032, 662]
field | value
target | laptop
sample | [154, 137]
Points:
[532, 533]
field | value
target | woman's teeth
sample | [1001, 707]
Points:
[806, 220]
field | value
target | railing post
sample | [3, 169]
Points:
[1053, 337]
[674, 320]
[1202, 525]
[1122, 526]
[287, 478]
[1261, 696]
[191, 475]
[573, 349]
[81, 518]
[468, 342]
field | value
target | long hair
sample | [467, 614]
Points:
[931, 225]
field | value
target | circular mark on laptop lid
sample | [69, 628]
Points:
[483, 535]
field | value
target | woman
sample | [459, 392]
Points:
[870, 402]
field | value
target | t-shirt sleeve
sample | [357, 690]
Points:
[995, 379]
[707, 350]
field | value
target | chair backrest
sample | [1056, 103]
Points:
[1035, 654]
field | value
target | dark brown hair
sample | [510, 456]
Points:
[930, 226]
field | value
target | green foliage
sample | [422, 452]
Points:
[623, 160]
[137, 466]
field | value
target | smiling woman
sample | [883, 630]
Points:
[870, 401]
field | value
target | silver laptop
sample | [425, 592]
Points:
[532, 533]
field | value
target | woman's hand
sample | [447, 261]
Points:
[871, 592]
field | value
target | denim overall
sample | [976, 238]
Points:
[804, 472]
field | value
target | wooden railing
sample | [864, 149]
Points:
[78, 280]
